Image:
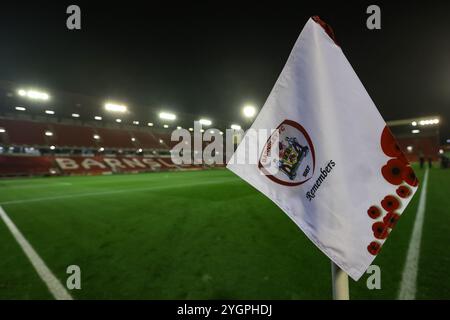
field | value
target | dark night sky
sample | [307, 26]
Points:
[209, 58]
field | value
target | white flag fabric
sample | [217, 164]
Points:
[339, 174]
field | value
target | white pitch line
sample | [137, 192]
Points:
[409, 277]
[91, 194]
[52, 283]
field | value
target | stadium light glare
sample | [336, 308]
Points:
[166, 126]
[235, 127]
[48, 133]
[179, 128]
[75, 115]
[52, 147]
[448, 141]
[20, 108]
[49, 112]
[113, 107]
[98, 118]
[118, 120]
[249, 111]
[136, 122]
[415, 131]
[202, 130]
[167, 116]
[101, 149]
[414, 123]
[428, 122]
[191, 129]
[33, 94]
[409, 148]
[139, 150]
[133, 139]
[161, 141]
[150, 124]
[2, 130]
[96, 137]
[441, 151]
[221, 133]
[205, 122]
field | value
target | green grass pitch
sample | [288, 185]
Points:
[194, 235]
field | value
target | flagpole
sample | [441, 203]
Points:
[340, 283]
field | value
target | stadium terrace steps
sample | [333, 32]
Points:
[16, 165]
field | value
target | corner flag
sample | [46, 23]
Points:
[330, 163]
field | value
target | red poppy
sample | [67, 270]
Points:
[393, 171]
[389, 145]
[390, 203]
[410, 177]
[374, 212]
[380, 230]
[403, 191]
[391, 219]
[374, 247]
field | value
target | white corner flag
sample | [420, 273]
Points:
[328, 160]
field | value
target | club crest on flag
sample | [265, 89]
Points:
[288, 156]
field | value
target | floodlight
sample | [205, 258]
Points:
[150, 124]
[101, 149]
[98, 118]
[414, 123]
[133, 139]
[2, 130]
[136, 122]
[52, 147]
[205, 122]
[415, 131]
[249, 111]
[167, 116]
[33, 94]
[235, 127]
[166, 126]
[49, 112]
[20, 109]
[96, 137]
[75, 115]
[115, 107]
[118, 120]
[48, 133]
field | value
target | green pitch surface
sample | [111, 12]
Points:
[194, 235]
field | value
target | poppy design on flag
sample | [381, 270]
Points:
[374, 212]
[389, 145]
[390, 203]
[394, 171]
[403, 191]
[390, 220]
[380, 230]
[374, 247]
[288, 156]
[410, 177]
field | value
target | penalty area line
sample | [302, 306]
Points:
[408, 285]
[53, 284]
